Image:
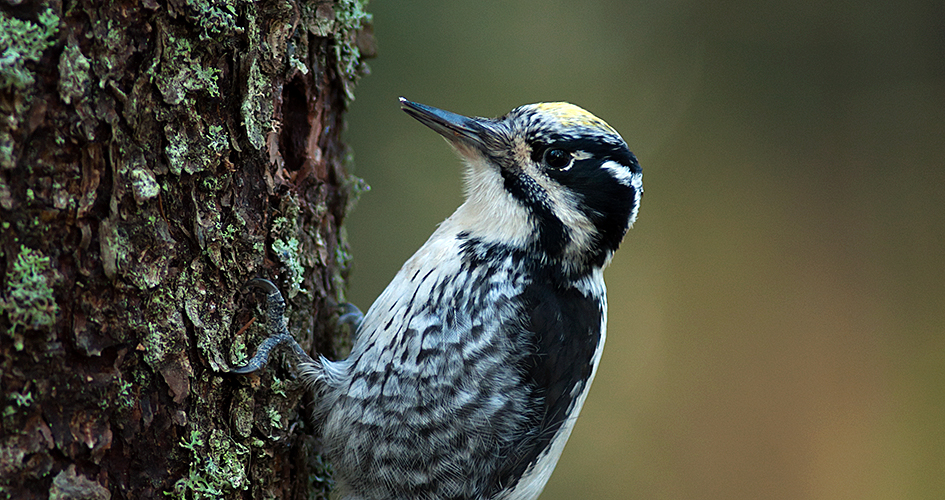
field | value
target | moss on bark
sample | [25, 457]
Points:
[154, 156]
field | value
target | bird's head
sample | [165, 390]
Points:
[547, 177]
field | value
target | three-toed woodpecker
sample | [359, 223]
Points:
[468, 372]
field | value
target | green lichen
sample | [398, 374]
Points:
[230, 232]
[191, 148]
[29, 300]
[218, 18]
[241, 412]
[238, 353]
[182, 73]
[6, 149]
[341, 22]
[296, 56]
[205, 78]
[125, 397]
[74, 79]
[216, 467]
[210, 317]
[162, 340]
[219, 139]
[275, 418]
[352, 14]
[22, 400]
[213, 182]
[115, 248]
[228, 455]
[257, 107]
[278, 386]
[345, 16]
[144, 184]
[156, 346]
[22, 42]
[196, 483]
[178, 152]
[194, 443]
[286, 245]
[287, 251]
[114, 37]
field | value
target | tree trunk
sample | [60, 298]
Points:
[154, 156]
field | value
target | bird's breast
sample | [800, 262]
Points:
[472, 354]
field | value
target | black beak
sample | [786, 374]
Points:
[463, 132]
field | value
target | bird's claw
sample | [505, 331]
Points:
[276, 328]
[350, 315]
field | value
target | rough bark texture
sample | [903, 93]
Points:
[154, 156]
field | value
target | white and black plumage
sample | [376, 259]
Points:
[468, 372]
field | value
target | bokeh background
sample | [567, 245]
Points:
[777, 314]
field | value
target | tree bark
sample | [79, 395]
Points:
[154, 156]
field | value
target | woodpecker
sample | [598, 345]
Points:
[468, 372]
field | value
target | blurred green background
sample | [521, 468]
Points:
[777, 314]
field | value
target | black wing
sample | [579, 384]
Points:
[565, 326]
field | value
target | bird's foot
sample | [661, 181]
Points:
[275, 327]
[350, 315]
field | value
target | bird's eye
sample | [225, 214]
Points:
[557, 158]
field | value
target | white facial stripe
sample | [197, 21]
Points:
[636, 206]
[582, 155]
[623, 174]
[628, 178]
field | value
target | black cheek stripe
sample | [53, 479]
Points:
[553, 236]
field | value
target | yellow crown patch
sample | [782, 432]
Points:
[570, 115]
